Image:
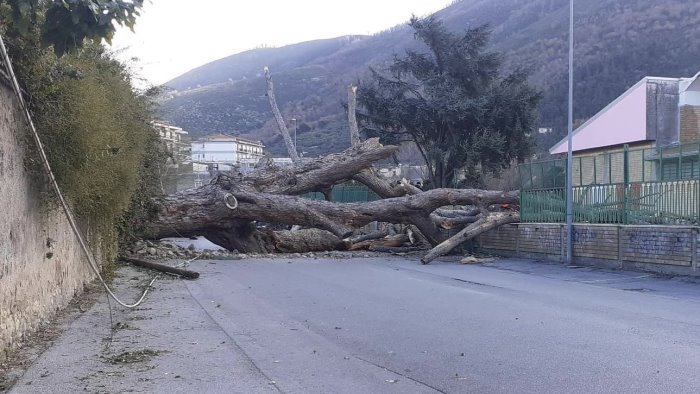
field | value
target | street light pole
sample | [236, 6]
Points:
[569, 153]
[295, 135]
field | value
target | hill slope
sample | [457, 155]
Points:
[617, 43]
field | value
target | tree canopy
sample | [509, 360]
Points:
[453, 104]
[65, 24]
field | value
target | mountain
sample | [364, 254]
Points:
[617, 42]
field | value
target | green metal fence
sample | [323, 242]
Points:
[629, 186]
[347, 193]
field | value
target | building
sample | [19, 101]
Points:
[225, 149]
[171, 135]
[221, 152]
[247, 165]
[653, 112]
[657, 119]
[248, 149]
[637, 161]
[176, 173]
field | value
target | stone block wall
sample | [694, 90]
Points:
[668, 249]
[544, 239]
[41, 264]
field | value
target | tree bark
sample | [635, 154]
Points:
[291, 148]
[451, 223]
[204, 210]
[187, 274]
[486, 223]
[390, 241]
[307, 240]
[229, 210]
[395, 249]
[352, 117]
[313, 176]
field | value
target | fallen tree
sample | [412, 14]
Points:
[235, 210]
[227, 212]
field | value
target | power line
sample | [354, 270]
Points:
[52, 179]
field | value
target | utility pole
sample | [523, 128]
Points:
[569, 153]
[295, 135]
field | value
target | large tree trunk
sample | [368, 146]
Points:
[230, 210]
[205, 210]
[315, 175]
[485, 223]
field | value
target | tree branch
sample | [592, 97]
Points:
[486, 223]
[291, 148]
[352, 117]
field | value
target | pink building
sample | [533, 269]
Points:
[653, 112]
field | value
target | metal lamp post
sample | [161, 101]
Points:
[569, 153]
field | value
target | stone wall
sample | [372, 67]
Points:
[41, 265]
[668, 249]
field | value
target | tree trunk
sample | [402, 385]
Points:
[291, 148]
[486, 223]
[204, 210]
[317, 175]
[229, 210]
[307, 240]
[352, 118]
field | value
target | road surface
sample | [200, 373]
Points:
[391, 325]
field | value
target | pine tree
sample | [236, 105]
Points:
[453, 104]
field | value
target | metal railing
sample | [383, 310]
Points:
[642, 186]
[347, 193]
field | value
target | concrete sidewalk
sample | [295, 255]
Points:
[167, 345]
[383, 325]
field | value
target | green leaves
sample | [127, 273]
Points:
[452, 103]
[66, 24]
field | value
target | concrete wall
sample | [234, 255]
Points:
[41, 266]
[690, 91]
[667, 249]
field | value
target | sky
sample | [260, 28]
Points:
[174, 36]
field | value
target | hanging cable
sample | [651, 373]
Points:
[52, 179]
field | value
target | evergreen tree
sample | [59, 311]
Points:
[453, 104]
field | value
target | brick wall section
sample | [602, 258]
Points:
[501, 238]
[33, 283]
[646, 247]
[656, 245]
[690, 124]
[540, 239]
[596, 242]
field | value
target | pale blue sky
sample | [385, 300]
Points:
[173, 36]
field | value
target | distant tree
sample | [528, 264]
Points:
[65, 24]
[453, 104]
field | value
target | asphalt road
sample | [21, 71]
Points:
[394, 326]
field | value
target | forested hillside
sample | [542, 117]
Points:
[617, 43]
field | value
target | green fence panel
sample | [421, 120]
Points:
[346, 194]
[632, 186]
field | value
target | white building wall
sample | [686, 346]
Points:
[690, 91]
[214, 152]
